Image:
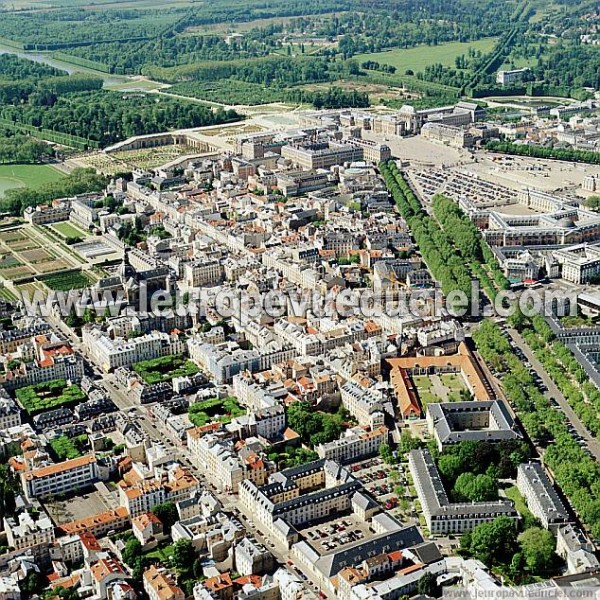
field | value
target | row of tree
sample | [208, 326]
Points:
[567, 154]
[470, 244]
[435, 245]
[576, 472]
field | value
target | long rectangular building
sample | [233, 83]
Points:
[541, 497]
[61, 478]
[442, 516]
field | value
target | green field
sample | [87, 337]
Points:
[512, 493]
[14, 176]
[69, 231]
[63, 282]
[418, 58]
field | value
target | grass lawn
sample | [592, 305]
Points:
[69, 231]
[14, 176]
[165, 368]
[454, 383]
[422, 382]
[161, 554]
[512, 493]
[49, 395]
[427, 398]
[418, 58]
[221, 409]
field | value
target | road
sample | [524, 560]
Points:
[554, 392]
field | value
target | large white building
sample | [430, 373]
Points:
[580, 263]
[10, 414]
[110, 354]
[368, 405]
[542, 499]
[61, 478]
[225, 467]
[355, 443]
[25, 531]
[202, 272]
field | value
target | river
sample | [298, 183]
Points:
[47, 59]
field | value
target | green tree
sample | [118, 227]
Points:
[167, 513]
[9, 488]
[385, 451]
[132, 551]
[427, 585]
[475, 488]
[593, 202]
[183, 555]
[537, 547]
[494, 543]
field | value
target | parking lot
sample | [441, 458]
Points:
[94, 500]
[330, 536]
[390, 486]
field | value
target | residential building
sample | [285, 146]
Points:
[542, 499]
[24, 531]
[160, 584]
[354, 444]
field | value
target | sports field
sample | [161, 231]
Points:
[418, 58]
[14, 176]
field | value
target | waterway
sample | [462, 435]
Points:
[47, 59]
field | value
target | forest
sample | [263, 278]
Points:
[22, 149]
[107, 117]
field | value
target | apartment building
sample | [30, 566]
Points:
[542, 499]
[202, 272]
[225, 466]
[355, 443]
[110, 354]
[368, 405]
[576, 549]
[224, 361]
[10, 413]
[213, 535]
[160, 584]
[24, 531]
[268, 423]
[252, 558]
[61, 478]
[256, 396]
[442, 516]
[142, 495]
